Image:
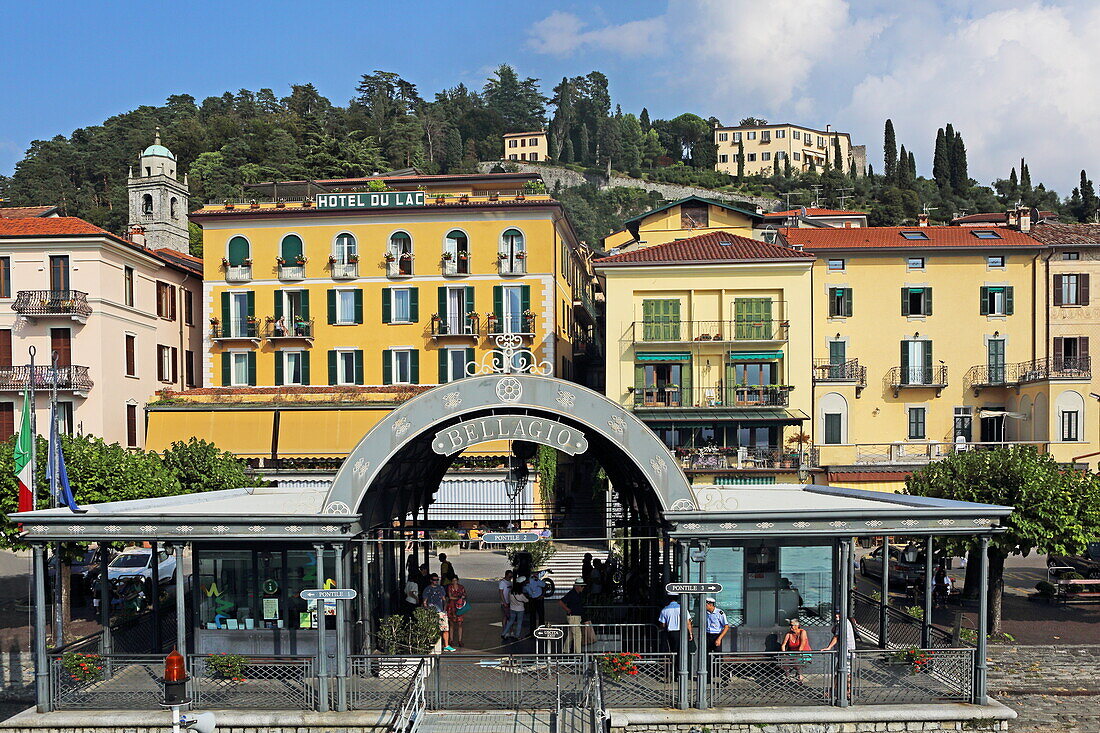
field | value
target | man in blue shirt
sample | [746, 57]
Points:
[535, 590]
[669, 621]
[717, 626]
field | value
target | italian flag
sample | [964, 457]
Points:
[24, 448]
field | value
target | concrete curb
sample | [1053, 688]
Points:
[621, 718]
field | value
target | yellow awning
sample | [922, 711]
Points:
[245, 433]
[324, 432]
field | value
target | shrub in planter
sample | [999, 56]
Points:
[229, 667]
[399, 634]
[82, 667]
[617, 666]
[445, 539]
[1045, 588]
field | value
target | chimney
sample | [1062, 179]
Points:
[1012, 219]
[137, 235]
[1024, 218]
[922, 220]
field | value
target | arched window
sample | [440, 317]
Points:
[172, 208]
[147, 204]
[513, 253]
[1070, 408]
[291, 250]
[833, 418]
[346, 250]
[401, 254]
[456, 253]
[238, 251]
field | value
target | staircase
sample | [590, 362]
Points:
[565, 567]
[497, 721]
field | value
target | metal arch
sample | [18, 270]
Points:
[371, 459]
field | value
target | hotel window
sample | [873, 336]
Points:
[509, 304]
[765, 156]
[400, 305]
[512, 253]
[916, 301]
[917, 428]
[1071, 354]
[456, 253]
[751, 135]
[723, 137]
[796, 135]
[346, 249]
[345, 306]
[796, 155]
[166, 301]
[401, 366]
[131, 426]
[835, 265]
[1071, 420]
[291, 367]
[131, 355]
[736, 137]
[239, 368]
[996, 300]
[452, 364]
[916, 362]
[1071, 255]
[1071, 290]
[915, 263]
[840, 302]
[833, 430]
[752, 157]
[995, 261]
[128, 286]
[345, 366]
[401, 249]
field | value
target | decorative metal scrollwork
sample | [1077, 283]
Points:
[503, 359]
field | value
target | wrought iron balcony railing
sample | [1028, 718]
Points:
[913, 376]
[519, 325]
[455, 325]
[71, 303]
[292, 272]
[985, 376]
[740, 458]
[721, 331]
[238, 273]
[235, 329]
[850, 370]
[69, 378]
[670, 396]
[288, 328]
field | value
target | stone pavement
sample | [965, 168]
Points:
[1052, 688]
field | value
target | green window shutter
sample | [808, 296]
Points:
[928, 359]
[277, 309]
[225, 311]
[639, 378]
[1009, 305]
[387, 368]
[332, 367]
[414, 366]
[305, 367]
[443, 366]
[359, 366]
[848, 302]
[331, 308]
[414, 305]
[291, 249]
[442, 302]
[837, 352]
[832, 302]
[498, 303]
[358, 306]
[278, 369]
[983, 301]
[905, 362]
[238, 251]
[305, 305]
[470, 299]
[469, 360]
[252, 369]
[685, 384]
[227, 370]
[525, 298]
[905, 301]
[251, 303]
[649, 326]
[386, 298]
[928, 301]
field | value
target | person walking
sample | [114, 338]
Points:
[456, 609]
[669, 621]
[717, 626]
[573, 605]
[446, 569]
[435, 599]
[503, 588]
[517, 603]
[535, 590]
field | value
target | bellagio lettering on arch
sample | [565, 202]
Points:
[516, 427]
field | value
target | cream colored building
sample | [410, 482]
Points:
[531, 146]
[684, 218]
[803, 147]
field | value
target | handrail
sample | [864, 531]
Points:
[408, 716]
[51, 303]
[730, 330]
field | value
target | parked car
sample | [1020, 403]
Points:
[138, 561]
[1087, 564]
[902, 571]
[84, 569]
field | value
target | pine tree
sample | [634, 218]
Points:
[643, 118]
[941, 163]
[890, 151]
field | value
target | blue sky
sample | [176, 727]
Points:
[1014, 77]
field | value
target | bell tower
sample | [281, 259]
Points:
[158, 199]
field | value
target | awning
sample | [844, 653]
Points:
[663, 356]
[754, 355]
[712, 414]
[1002, 413]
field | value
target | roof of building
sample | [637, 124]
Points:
[1053, 233]
[782, 124]
[713, 247]
[532, 132]
[994, 217]
[751, 213]
[21, 212]
[812, 212]
[895, 238]
[71, 226]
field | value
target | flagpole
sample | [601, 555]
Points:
[38, 628]
[51, 456]
[34, 433]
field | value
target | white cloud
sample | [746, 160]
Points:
[561, 34]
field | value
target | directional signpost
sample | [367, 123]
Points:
[678, 588]
[328, 594]
[548, 633]
[510, 537]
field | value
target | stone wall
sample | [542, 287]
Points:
[1044, 669]
[937, 726]
[17, 676]
[568, 178]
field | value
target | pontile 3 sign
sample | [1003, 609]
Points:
[381, 200]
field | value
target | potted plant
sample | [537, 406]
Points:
[439, 198]
[225, 666]
[82, 667]
[391, 257]
[353, 259]
[413, 636]
[502, 255]
[916, 659]
[280, 261]
[246, 262]
[447, 256]
[331, 260]
[225, 262]
[301, 260]
[521, 255]
[616, 667]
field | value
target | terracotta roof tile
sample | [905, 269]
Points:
[891, 237]
[1055, 233]
[20, 212]
[710, 247]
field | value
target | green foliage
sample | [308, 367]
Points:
[1046, 588]
[194, 239]
[399, 634]
[546, 463]
[82, 667]
[541, 552]
[226, 666]
[445, 539]
[595, 213]
[201, 466]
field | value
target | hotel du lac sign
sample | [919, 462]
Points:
[379, 200]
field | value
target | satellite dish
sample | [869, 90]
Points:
[201, 723]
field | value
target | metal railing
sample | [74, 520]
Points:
[912, 676]
[266, 683]
[624, 637]
[903, 629]
[238, 273]
[718, 396]
[382, 683]
[509, 682]
[344, 270]
[512, 265]
[51, 303]
[518, 325]
[105, 682]
[400, 266]
[408, 715]
[236, 328]
[914, 376]
[911, 453]
[747, 679]
[677, 331]
[456, 264]
[850, 370]
[292, 272]
[721, 459]
[455, 325]
[293, 328]
[654, 685]
[18, 378]
[1005, 375]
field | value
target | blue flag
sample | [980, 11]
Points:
[55, 468]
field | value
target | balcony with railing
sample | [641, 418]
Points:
[849, 371]
[520, 325]
[671, 396]
[714, 458]
[292, 272]
[986, 376]
[899, 378]
[238, 273]
[512, 264]
[447, 324]
[904, 453]
[52, 304]
[399, 264]
[244, 329]
[344, 270]
[280, 329]
[70, 378]
[733, 331]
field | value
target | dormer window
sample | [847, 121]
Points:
[914, 235]
[986, 234]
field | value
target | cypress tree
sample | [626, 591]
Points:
[890, 150]
[644, 119]
[838, 164]
[912, 168]
[567, 151]
[740, 159]
[1025, 178]
[941, 165]
[901, 169]
[786, 166]
[960, 178]
[775, 166]
[584, 146]
[1089, 201]
[1012, 193]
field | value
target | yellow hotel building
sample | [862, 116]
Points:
[362, 292]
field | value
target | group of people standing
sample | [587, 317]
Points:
[522, 599]
[440, 592]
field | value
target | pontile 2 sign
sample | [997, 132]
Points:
[383, 200]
